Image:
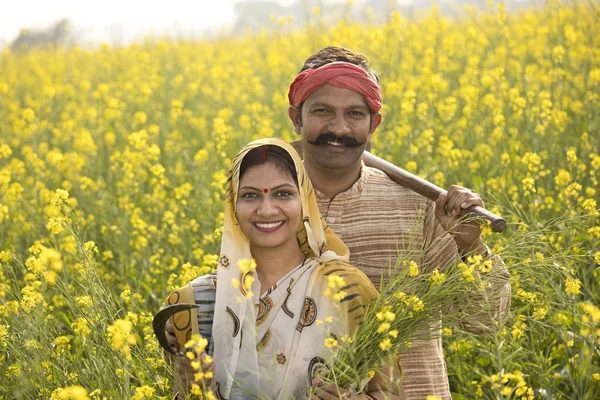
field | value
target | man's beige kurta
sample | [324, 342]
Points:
[379, 221]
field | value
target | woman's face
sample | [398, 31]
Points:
[268, 207]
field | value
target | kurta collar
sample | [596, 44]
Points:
[357, 187]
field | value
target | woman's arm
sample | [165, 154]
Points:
[386, 383]
[379, 388]
[185, 374]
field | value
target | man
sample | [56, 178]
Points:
[334, 106]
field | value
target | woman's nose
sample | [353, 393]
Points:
[267, 207]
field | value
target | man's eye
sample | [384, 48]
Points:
[357, 113]
[321, 110]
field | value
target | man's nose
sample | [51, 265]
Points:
[339, 125]
[267, 207]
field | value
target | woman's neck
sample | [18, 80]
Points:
[272, 264]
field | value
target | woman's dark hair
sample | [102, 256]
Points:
[269, 153]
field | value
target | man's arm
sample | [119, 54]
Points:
[448, 236]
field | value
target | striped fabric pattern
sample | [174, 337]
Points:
[204, 295]
[360, 292]
[381, 222]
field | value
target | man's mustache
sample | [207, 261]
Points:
[346, 141]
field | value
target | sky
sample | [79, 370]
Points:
[126, 21]
[116, 20]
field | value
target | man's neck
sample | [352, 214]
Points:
[332, 182]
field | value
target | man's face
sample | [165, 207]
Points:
[335, 126]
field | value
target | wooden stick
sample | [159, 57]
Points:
[422, 187]
[428, 189]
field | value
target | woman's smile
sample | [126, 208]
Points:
[268, 226]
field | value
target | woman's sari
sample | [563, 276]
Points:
[272, 346]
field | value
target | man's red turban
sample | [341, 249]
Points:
[341, 74]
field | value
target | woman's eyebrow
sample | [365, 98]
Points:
[273, 188]
[248, 188]
[283, 185]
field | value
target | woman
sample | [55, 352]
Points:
[274, 326]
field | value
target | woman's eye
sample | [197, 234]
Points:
[284, 194]
[249, 195]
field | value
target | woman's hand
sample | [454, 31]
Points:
[325, 391]
[171, 338]
[183, 367]
[185, 373]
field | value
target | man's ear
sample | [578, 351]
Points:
[294, 114]
[375, 121]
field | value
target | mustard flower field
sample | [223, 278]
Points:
[112, 180]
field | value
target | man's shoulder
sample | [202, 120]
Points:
[378, 181]
[376, 176]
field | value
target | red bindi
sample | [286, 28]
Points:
[266, 190]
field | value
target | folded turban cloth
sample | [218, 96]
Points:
[341, 74]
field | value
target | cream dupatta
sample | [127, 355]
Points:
[271, 346]
[238, 331]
